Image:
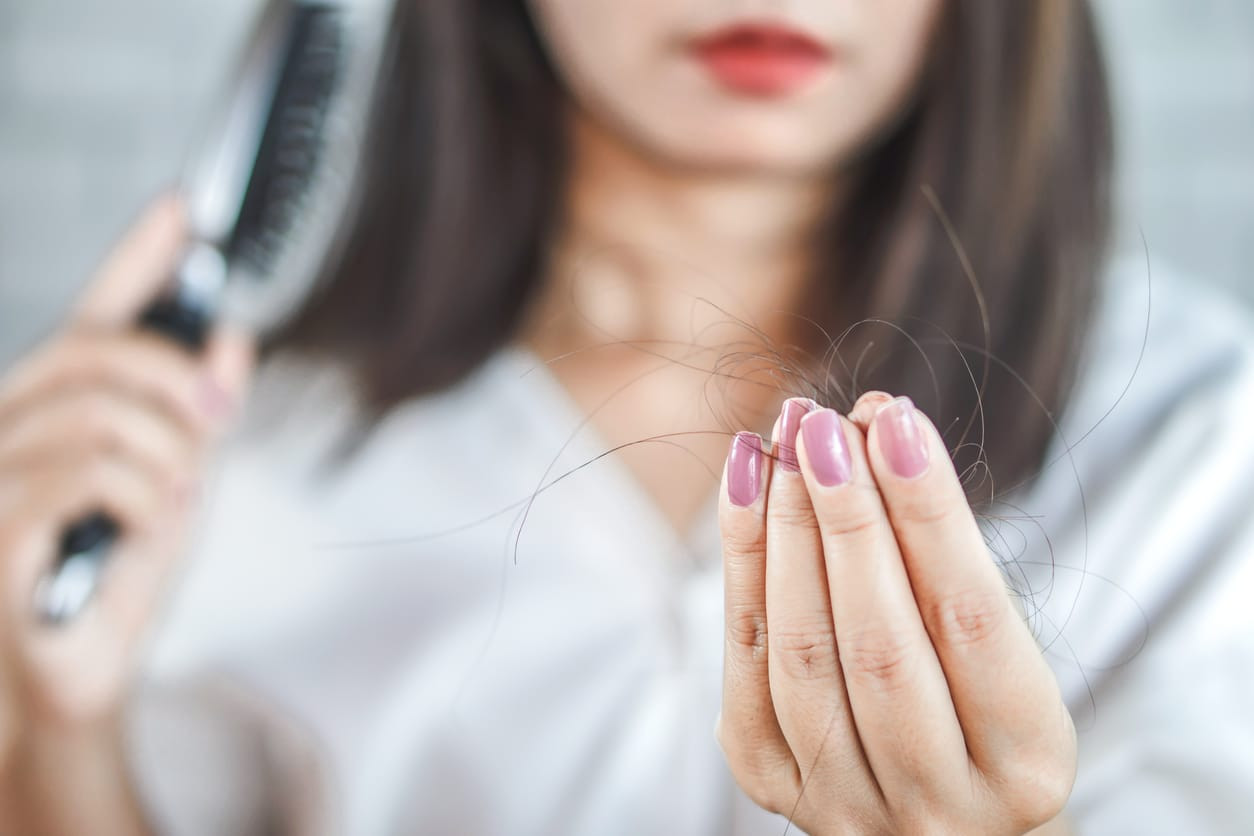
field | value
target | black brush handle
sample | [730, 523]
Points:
[84, 548]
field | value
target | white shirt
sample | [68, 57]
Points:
[565, 678]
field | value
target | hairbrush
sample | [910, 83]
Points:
[268, 193]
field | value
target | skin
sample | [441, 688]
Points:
[873, 656]
[680, 193]
[629, 67]
[98, 417]
[689, 211]
[872, 651]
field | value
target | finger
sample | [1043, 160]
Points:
[143, 365]
[864, 408]
[1005, 695]
[805, 676]
[132, 275]
[61, 490]
[747, 727]
[131, 585]
[229, 361]
[896, 689]
[83, 663]
[81, 421]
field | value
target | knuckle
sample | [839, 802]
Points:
[880, 657]
[97, 472]
[754, 785]
[928, 508]
[925, 820]
[55, 352]
[792, 514]
[55, 365]
[806, 652]
[859, 514]
[853, 521]
[1034, 795]
[744, 745]
[1035, 782]
[1053, 791]
[747, 632]
[73, 361]
[74, 348]
[96, 422]
[765, 778]
[969, 617]
[162, 359]
[742, 541]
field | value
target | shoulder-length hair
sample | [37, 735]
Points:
[959, 266]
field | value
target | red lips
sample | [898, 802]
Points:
[762, 59]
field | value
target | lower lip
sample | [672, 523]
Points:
[762, 69]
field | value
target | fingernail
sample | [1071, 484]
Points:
[901, 439]
[826, 447]
[789, 422]
[214, 400]
[744, 469]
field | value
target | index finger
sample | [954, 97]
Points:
[132, 275]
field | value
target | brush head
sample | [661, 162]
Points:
[267, 197]
[276, 177]
[291, 144]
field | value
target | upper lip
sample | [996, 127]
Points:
[762, 34]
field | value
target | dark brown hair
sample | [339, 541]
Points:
[1008, 139]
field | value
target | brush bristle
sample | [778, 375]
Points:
[293, 139]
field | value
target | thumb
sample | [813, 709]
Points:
[135, 271]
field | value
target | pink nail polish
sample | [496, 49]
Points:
[789, 422]
[826, 447]
[744, 469]
[901, 439]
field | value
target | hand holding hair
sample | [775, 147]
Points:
[877, 676]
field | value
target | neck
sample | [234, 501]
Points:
[669, 256]
[671, 274]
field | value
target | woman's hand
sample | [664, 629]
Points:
[102, 417]
[877, 677]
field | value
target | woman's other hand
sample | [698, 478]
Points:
[102, 417]
[877, 676]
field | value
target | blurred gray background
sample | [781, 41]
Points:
[98, 102]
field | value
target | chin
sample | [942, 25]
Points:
[760, 146]
[712, 133]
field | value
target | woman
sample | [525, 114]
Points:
[592, 224]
